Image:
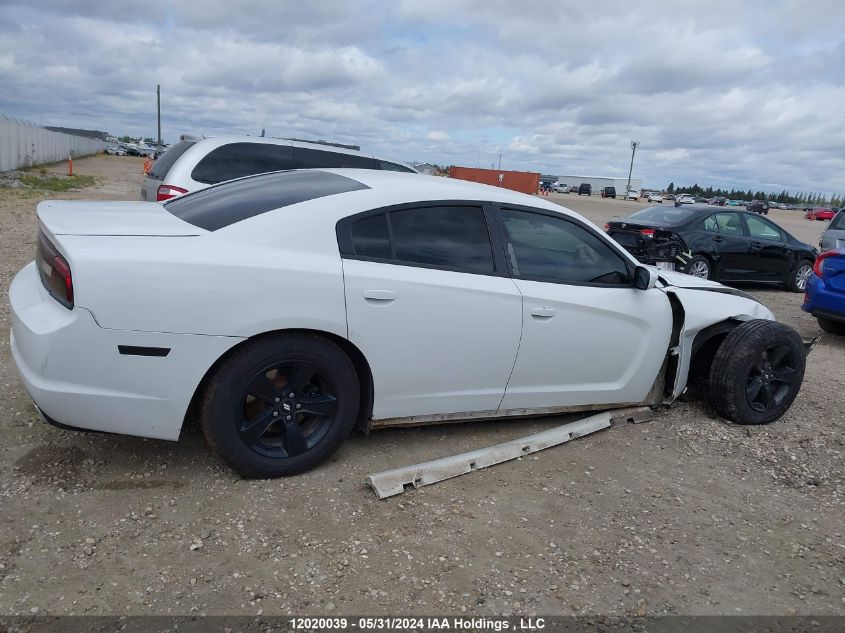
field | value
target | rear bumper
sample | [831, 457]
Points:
[75, 374]
[823, 302]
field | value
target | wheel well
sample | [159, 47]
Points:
[362, 368]
[704, 348]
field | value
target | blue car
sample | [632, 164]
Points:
[825, 292]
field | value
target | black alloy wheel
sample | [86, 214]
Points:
[756, 372]
[772, 378]
[280, 404]
[286, 409]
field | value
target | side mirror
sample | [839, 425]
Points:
[644, 278]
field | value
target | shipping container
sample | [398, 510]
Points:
[523, 181]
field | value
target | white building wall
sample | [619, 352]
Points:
[598, 182]
[23, 144]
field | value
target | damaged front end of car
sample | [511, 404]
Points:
[653, 246]
[727, 348]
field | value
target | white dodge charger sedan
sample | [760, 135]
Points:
[284, 309]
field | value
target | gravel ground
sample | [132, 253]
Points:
[684, 514]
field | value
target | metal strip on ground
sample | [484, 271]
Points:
[396, 481]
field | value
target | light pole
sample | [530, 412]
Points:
[158, 109]
[631, 168]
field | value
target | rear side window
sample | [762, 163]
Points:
[729, 223]
[166, 160]
[237, 160]
[231, 202]
[451, 237]
[371, 237]
[306, 158]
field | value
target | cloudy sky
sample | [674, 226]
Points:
[748, 94]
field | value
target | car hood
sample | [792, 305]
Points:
[682, 280]
[672, 279]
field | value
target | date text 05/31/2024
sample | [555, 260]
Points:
[420, 623]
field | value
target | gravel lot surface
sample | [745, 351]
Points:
[684, 514]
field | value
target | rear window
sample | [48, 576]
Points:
[669, 216]
[166, 160]
[221, 206]
[838, 222]
[237, 160]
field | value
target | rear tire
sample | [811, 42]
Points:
[756, 372]
[280, 405]
[832, 327]
[799, 277]
[699, 266]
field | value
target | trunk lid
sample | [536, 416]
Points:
[61, 217]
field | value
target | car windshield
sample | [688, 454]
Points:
[663, 215]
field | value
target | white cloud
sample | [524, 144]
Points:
[719, 92]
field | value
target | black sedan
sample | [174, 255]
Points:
[723, 245]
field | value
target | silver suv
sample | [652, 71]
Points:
[833, 236]
[195, 163]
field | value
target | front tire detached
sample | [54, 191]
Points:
[280, 405]
[756, 372]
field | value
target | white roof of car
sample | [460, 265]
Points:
[226, 139]
[411, 187]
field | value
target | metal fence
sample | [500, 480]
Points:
[24, 144]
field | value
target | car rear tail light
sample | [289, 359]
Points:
[647, 232]
[818, 266]
[166, 192]
[54, 271]
[606, 226]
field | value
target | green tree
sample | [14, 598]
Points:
[670, 188]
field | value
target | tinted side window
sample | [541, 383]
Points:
[729, 223]
[371, 237]
[452, 237]
[710, 224]
[546, 248]
[306, 158]
[242, 159]
[763, 229]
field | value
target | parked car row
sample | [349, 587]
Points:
[718, 245]
[741, 246]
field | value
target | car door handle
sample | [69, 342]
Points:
[756, 245]
[380, 296]
[542, 313]
[718, 238]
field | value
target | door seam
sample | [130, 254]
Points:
[519, 344]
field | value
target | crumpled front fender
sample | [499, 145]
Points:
[702, 308]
